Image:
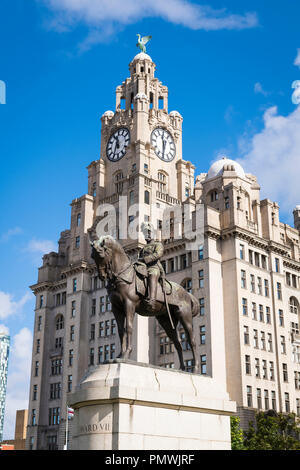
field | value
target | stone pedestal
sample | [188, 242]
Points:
[131, 406]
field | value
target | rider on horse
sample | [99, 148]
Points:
[150, 255]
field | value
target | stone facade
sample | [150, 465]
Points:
[245, 273]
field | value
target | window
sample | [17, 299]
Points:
[92, 356]
[293, 304]
[70, 382]
[270, 342]
[112, 351]
[279, 292]
[250, 256]
[252, 282]
[259, 286]
[266, 398]
[200, 252]
[247, 365]
[54, 416]
[243, 279]
[94, 190]
[72, 332]
[59, 324]
[71, 357]
[38, 345]
[249, 396]
[201, 278]
[74, 285]
[281, 319]
[258, 396]
[273, 398]
[39, 323]
[287, 402]
[257, 368]
[261, 313]
[36, 368]
[106, 352]
[184, 343]
[146, 168]
[131, 198]
[58, 342]
[246, 335]
[262, 340]
[255, 338]
[34, 393]
[113, 326]
[268, 315]
[101, 329]
[93, 311]
[282, 345]
[242, 252]
[33, 417]
[272, 374]
[227, 204]
[264, 370]
[77, 242]
[285, 372]
[165, 346]
[266, 282]
[254, 316]
[55, 390]
[203, 368]
[277, 265]
[100, 354]
[41, 301]
[78, 219]
[107, 327]
[92, 332]
[245, 306]
[56, 367]
[202, 334]
[102, 305]
[202, 306]
[187, 285]
[147, 197]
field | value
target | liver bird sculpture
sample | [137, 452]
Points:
[142, 42]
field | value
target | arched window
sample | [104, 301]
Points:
[162, 181]
[59, 323]
[147, 197]
[187, 285]
[294, 305]
[213, 196]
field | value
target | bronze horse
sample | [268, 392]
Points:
[116, 268]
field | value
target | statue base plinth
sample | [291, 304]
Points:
[124, 405]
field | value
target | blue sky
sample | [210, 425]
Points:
[229, 67]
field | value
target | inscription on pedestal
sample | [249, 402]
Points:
[100, 427]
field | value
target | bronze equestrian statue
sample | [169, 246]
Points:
[127, 287]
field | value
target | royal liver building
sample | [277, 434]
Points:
[244, 269]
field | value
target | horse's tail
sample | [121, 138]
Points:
[195, 306]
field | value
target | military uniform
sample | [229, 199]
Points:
[150, 255]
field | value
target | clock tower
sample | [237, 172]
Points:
[141, 153]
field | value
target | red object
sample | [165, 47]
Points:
[7, 447]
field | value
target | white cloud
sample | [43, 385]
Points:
[18, 381]
[258, 88]
[4, 329]
[41, 246]
[103, 17]
[10, 233]
[8, 306]
[273, 155]
[297, 60]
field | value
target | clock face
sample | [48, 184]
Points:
[163, 144]
[117, 144]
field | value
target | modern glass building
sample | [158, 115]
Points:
[4, 353]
